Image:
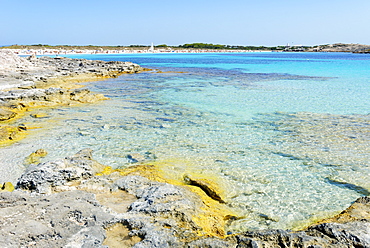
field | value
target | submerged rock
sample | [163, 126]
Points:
[34, 157]
[9, 133]
[48, 82]
[6, 114]
[207, 186]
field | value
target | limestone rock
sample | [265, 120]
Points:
[68, 219]
[8, 133]
[8, 186]
[207, 186]
[161, 199]
[34, 157]
[6, 114]
[351, 232]
[42, 177]
[154, 214]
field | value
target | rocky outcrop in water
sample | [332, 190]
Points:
[39, 72]
[66, 203]
[47, 82]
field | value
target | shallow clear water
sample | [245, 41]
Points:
[286, 134]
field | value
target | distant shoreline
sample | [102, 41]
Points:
[186, 48]
[138, 51]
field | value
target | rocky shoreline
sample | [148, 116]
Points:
[27, 83]
[74, 202]
[78, 202]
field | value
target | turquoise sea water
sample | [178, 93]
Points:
[287, 134]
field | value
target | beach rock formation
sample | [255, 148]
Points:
[68, 203]
[33, 82]
[20, 72]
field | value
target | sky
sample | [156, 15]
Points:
[232, 22]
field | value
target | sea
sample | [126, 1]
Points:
[285, 135]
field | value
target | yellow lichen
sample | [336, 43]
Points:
[8, 186]
[74, 81]
[34, 157]
[10, 135]
[213, 216]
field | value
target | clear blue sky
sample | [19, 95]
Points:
[234, 22]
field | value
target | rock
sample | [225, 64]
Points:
[211, 243]
[9, 60]
[22, 127]
[129, 210]
[207, 186]
[6, 114]
[177, 208]
[39, 115]
[160, 199]
[136, 157]
[277, 238]
[34, 157]
[8, 133]
[352, 232]
[48, 82]
[43, 177]
[8, 186]
[358, 211]
[32, 58]
[68, 219]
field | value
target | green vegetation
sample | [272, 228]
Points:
[229, 47]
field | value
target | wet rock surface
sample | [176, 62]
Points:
[48, 82]
[65, 204]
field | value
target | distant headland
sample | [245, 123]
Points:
[185, 48]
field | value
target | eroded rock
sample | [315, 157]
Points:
[207, 186]
[67, 219]
[77, 208]
[43, 177]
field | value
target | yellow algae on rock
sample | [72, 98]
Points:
[34, 157]
[6, 114]
[39, 115]
[146, 170]
[10, 134]
[107, 170]
[209, 187]
[74, 81]
[213, 214]
[8, 186]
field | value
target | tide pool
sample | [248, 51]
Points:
[286, 135]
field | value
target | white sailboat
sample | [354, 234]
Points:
[151, 49]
